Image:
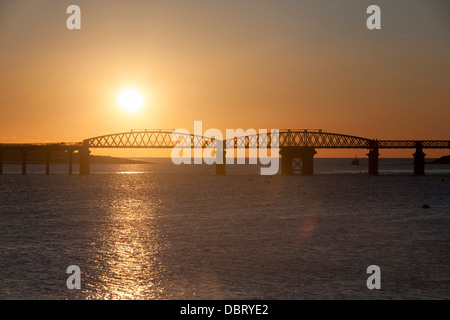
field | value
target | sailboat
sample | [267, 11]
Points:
[355, 161]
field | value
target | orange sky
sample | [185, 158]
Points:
[232, 64]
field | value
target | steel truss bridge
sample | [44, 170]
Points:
[293, 144]
[287, 138]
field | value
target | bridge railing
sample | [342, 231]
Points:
[411, 144]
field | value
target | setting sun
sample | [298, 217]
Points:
[130, 100]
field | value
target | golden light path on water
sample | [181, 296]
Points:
[127, 246]
[132, 238]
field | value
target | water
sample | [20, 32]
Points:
[161, 231]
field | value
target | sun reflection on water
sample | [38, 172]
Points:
[127, 264]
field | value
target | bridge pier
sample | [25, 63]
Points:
[84, 158]
[288, 154]
[419, 159]
[220, 167]
[373, 158]
[373, 162]
[24, 162]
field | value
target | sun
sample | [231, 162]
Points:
[130, 100]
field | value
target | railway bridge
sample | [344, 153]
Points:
[295, 146]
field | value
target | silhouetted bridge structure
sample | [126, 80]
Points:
[296, 146]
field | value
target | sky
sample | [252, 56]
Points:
[230, 63]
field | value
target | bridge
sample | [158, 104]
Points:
[295, 146]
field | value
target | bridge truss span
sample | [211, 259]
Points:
[172, 138]
[412, 144]
[159, 139]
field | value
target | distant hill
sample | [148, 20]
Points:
[441, 160]
[62, 157]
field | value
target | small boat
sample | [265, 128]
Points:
[355, 161]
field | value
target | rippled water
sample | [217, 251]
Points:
[181, 232]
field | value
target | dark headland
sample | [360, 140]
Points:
[441, 160]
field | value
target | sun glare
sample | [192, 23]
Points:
[130, 100]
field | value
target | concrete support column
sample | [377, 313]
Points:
[308, 160]
[419, 159]
[286, 162]
[84, 158]
[373, 161]
[288, 154]
[373, 158]
[221, 152]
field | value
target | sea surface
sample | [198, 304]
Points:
[161, 231]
